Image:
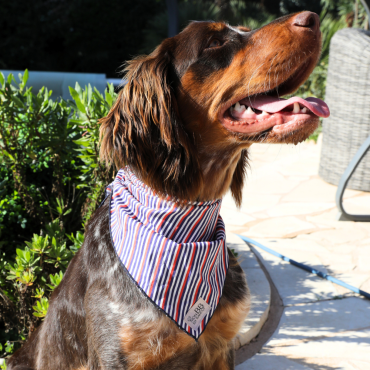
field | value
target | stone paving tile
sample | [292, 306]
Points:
[252, 203]
[366, 286]
[315, 190]
[365, 242]
[295, 245]
[261, 184]
[235, 218]
[258, 202]
[293, 284]
[264, 154]
[365, 226]
[321, 319]
[337, 262]
[350, 350]
[266, 361]
[328, 218]
[300, 165]
[298, 208]
[247, 260]
[279, 227]
[325, 335]
[358, 205]
[347, 232]
[362, 258]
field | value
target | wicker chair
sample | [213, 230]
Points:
[346, 130]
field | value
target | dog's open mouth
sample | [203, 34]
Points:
[266, 112]
[259, 113]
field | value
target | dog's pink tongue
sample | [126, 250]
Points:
[272, 105]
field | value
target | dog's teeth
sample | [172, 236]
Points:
[239, 108]
[264, 113]
[249, 110]
[296, 108]
[304, 110]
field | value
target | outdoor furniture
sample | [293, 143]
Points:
[345, 148]
[343, 184]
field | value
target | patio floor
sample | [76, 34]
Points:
[287, 207]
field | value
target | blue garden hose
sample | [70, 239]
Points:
[307, 268]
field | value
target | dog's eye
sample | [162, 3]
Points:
[215, 43]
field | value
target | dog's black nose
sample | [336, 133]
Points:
[307, 20]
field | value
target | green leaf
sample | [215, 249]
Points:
[2, 79]
[9, 347]
[55, 280]
[17, 101]
[46, 95]
[78, 89]
[25, 77]
[97, 94]
[89, 94]
[8, 154]
[77, 121]
[41, 307]
[77, 100]
[108, 97]
[83, 142]
[19, 252]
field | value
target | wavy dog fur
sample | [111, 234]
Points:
[144, 129]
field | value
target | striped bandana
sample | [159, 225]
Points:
[176, 255]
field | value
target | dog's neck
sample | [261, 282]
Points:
[218, 152]
[218, 171]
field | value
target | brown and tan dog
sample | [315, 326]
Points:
[183, 123]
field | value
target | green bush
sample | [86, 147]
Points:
[51, 181]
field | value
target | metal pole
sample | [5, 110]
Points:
[172, 17]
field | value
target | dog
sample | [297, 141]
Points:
[182, 126]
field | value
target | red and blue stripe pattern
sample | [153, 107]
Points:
[176, 255]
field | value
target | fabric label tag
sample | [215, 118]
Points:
[196, 314]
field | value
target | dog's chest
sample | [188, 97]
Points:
[161, 344]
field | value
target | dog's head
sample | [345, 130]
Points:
[190, 110]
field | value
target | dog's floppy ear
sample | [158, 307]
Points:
[143, 129]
